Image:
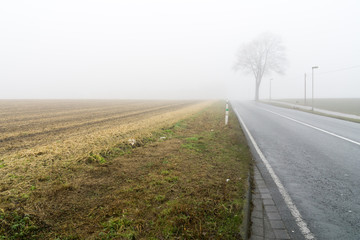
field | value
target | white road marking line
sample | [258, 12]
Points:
[311, 126]
[288, 201]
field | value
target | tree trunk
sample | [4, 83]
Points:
[257, 86]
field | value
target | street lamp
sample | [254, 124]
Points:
[305, 89]
[270, 90]
[312, 77]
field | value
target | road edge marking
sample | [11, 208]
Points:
[311, 126]
[288, 201]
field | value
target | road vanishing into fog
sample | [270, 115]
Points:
[317, 160]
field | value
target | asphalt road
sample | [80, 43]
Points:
[317, 160]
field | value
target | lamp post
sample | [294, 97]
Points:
[270, 90]
[305, 89]
[312, 78]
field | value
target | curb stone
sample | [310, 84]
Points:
[265, 217]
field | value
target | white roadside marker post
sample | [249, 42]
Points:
[227, 113]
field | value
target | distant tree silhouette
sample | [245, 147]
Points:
[261, 56]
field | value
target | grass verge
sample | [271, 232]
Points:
[313, 112]
[187, 181]
[342, 105]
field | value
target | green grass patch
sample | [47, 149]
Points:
[118, 227]
[15, 225]
[96, 158]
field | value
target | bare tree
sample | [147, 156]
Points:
[261, 56]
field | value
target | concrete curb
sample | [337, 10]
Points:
[266, 220]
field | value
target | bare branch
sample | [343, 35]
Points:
[261, 56]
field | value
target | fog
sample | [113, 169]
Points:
[175, 49]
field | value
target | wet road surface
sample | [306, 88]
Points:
[317, 160]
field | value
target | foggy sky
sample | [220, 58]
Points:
[175, 49]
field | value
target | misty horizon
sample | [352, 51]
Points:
[173, 50]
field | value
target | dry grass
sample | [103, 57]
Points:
[93, 184]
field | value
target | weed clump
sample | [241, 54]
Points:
[17, 226]
[194, 143]
[117, 227]
[96, 158]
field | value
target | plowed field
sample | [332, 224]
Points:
[37, 135]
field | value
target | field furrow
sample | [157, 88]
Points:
[43, 145]
[78, 122]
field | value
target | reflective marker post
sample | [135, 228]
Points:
[227, 113]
